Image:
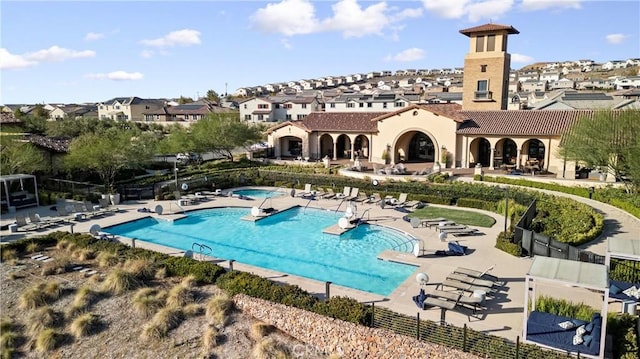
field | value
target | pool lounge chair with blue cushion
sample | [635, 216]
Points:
[544, 328]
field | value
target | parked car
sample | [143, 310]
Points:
[188, 157]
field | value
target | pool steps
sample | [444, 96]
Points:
[252, 218]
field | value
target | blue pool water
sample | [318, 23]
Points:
[291, 241]
[257, 193]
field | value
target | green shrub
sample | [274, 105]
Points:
[564, 308]
[343, 308]
[505, 245]
[623, 331]
[202, 272]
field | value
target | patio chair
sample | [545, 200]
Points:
[454, 249]
[476, 273]
[374, 199]
[44, 222]
[22, 223]
[306, 192]
[345, 193]
[353, 195]
[362, 197]
[63, 213]
[452, 283]
[474, 281]
[328, 194]
[450, 228]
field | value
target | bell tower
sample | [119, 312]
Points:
[486, 68]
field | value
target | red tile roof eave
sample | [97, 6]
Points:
[490, 27]
[460, 118]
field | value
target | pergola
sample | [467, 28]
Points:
[565, 273]
[19, 190]
[621, 248]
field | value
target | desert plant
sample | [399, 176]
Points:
[52, 291]
[269, 348]
[161, 323]
[8, 340]
[161, 273]
[48, 339]
[179, 296]
[141, 268]
[62, 244]
[146, 302]
[189, 281]
[84, 254]
[120, 281]
[41, 319]
[107, 259]
[6, 325]
[9, 255]
[32, 298]
[192, 310]
[33, 247]
[81, 301]
[209, 340]
[84, 325]
[58, 266]
[260, 330]
[218, 309]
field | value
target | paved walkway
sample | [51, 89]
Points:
[504, 313]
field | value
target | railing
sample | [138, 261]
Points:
[203, 250]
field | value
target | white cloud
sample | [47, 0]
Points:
[288, 17]
[116, 76]
[298, 17]
[11, 61]
[185, 37]
[57, 54]
[474, 10]
[616, 38]
[145, 54]
[412, 54]
[93, 36]
[533, 5]
[522, 59]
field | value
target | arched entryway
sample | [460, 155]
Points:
[361, 146]
[415, 146]
[480, 150]
[534, 153]
[343, 147]
[506, 153]
[326, 146]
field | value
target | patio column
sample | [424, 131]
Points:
[352, 149]
[335, 150]
[518, 158]
[492, 158]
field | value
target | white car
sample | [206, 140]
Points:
[188, 157]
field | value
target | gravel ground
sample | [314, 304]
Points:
[120, 333]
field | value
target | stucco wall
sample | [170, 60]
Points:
[346, 340]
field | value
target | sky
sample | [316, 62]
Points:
[92, 51]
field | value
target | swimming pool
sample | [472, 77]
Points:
[291, 241]
[257, 193]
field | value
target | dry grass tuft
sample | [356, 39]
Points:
[58, 266]
[6, 325]
[218, 310]
[84, 325]
[107, 259]
[268, 348]
[120, 281]
[141, 268]
[161, 323]
[179, 296]
[260, 330]
[47, 340]
[8, 340]
[33, 247]
[14, 276]
[193, 310]
[147, 302]
[32, 298]
[84, 254]
[161, 273]
[81, 301]
[62, 244]
[9, 255]
[189, 281]
[71, 247]
[209, 340]
[41, 319]
[52, 290]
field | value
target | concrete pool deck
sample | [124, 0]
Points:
[503, 315]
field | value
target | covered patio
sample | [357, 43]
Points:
[18, 191]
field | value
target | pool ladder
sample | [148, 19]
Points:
[202, 250]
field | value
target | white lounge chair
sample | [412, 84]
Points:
[345, 193]
[307, 191]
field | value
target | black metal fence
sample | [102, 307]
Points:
[464, 339]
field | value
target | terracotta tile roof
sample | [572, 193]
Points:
[342, 121]
[450, 110]
[489, 27]
[514, 123]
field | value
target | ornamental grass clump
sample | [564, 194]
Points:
[120, 281]
[81, 301]
[218, 309]
[162, 322]
[47, 340]
[209, 340]
[107, 259]
[142, 268]
[179, 296]
[269, 348]
[147, 302]
[260, 330]
[40, 319]
[84, 325]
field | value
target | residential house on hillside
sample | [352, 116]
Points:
[595, 84]
[380, 102]
[612, 65]
[128, 108]
[627, 83]
[533, 85]
[573, 100]
[550, 76]
[188, 112]
[529, 75]
[562, 84]
[72, 111]
[278, 108]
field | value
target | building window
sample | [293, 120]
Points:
[350, 105]
[117, 107]
[361, 104]
[304, 105]
[491, 42]
[301, 116]
[263, 106]
[288, 117]
[369, 104]
[277, 105]
[247, 117]
[482, 91]
[399, 104]
[480, 44]
[384, 105]
[260, 117]
[245, 106]
[333, 105]
[288, 106]
[483, 68]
